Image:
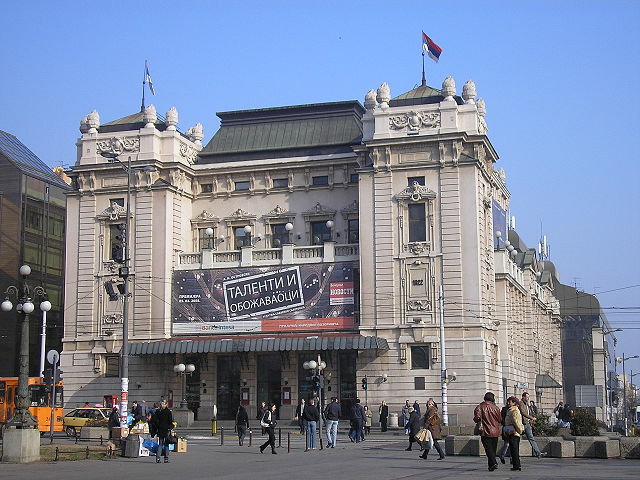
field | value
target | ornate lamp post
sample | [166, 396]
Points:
[184, 370]
[622, 360]
[22, 418]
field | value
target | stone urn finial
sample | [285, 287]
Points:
[384, 95]
[93, 122]
[196, 134]
[469, 91]
[150, 116]
[449, 88]
[370, 100]
[482, 107]
[171, 118]
[84, 124]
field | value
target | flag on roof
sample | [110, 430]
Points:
[147, 78]
[431, 47]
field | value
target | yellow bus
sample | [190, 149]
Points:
[39, 401]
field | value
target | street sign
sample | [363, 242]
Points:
[53, 357]
[522, 385]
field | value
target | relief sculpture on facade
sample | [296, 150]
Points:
[415, 120]
[115, 146]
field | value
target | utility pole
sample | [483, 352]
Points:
[443, 361]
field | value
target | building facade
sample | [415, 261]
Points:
[32, 215]
[330, 232]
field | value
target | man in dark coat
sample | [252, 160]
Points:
[357, 418]
[242, 423]
[114, 420]
[489, 419]
[416, 407]
[384, 415]
[136, 412]
[163, 420]
[414, 427]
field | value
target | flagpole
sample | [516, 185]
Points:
[144, 79]
[424, 78]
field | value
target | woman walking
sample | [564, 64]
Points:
[242, 423]
[432, 423]
[163, 420]
[268, 423]
[512, 430]
[367, 420]
[383, 410]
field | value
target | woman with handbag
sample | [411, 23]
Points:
[268, 422]
[512, 430]
[163, 420]
[432, 424]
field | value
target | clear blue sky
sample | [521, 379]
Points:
[560, 80]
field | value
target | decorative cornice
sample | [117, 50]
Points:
[278, 211]
[418, 248]
[118, 145]
[415, 120]
[240, 214]
[351, 208]
[206, 216]
[318, 210]
[415, 193]
[114, 212]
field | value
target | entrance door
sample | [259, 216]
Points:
[348, 381]
[269, 379]
[228, 394]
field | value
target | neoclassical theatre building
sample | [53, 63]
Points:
[322, 230]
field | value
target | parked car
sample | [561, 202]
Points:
[77, 418]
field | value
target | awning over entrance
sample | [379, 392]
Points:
[260, 344]
[545, 381]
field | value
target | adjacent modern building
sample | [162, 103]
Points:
[32, 215]
[352, 233]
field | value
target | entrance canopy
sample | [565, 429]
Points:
[259, 344]
[546, 381]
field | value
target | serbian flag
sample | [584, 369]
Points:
[432, 49]
[147, 78]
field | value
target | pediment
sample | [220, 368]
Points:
[114, 212]
[415, 193]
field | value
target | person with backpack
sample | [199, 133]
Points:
[432, 423]
[268, 423]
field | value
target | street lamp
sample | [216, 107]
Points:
[22, 418]
[317, 368]
[184, 370]
[622, 360]
[45, 306]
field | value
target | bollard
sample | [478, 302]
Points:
[214, 426]
[56, 457]
[279, 437]
[321, 447]
[288, 442]
[306, 442]
[86, 453]
[250, 437]
[100, 440]
[76, 436]
[221, 435]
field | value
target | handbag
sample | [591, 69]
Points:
[478, 430]
[422, 435]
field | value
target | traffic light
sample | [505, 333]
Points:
[118, 243]
[364, 383]
[316, 381]
[59, 375]
[48, 377]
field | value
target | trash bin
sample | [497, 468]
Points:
[393, 420]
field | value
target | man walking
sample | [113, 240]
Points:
[488, 417]
[332, 414]
[528, 419]
[311, 415]
[357, 422]
[405, 416]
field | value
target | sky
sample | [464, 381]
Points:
[559, 78]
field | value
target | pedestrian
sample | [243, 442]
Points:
[416, 407]
[558, 413]
[299, 410]
[114, 420]
[566, 416]
[383, 410]
[533, 408]
[431, 422]
[136, 412]
[488, 419]
[513, 428]
[505, 445]
[163, 423]
[156, 406]
[268, 423]
[311, 416]
[86, 405]
[413, 425]
[528, 420]
[332, 414]
[357, 422]
[260, 413]
[368, 416]
[242, 423]
[405, 416]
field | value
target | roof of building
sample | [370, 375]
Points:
[134, 121]
[290, 131]
[575, 303]
[27, 161]
[422, 95]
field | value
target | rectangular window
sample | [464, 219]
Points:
[418, 383]
[112, 366]
[117, 201]
[205, 241]
[417, 223]
[353, 178]
[420, 357]
[280, 183]
[418, 180]
[117, 241]
[242, 186]
[320, 233]
[320, 180]
[241, 238]
[279, 235]
[353, 231]
[207, 187]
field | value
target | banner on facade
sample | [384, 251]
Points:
[266, 299]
